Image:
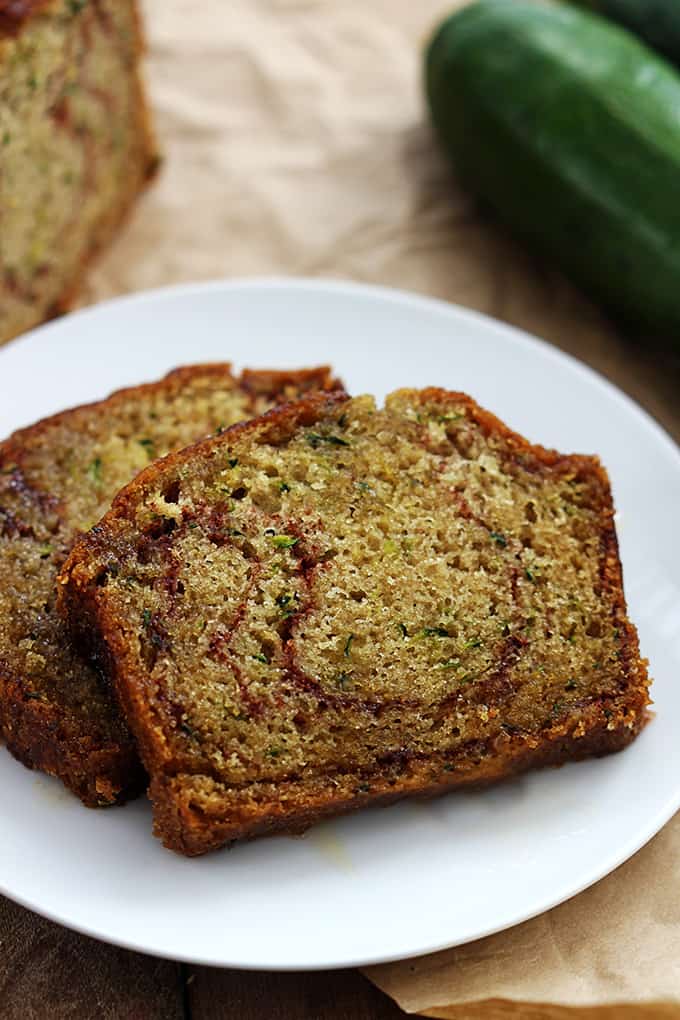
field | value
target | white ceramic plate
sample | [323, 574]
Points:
[385, 883]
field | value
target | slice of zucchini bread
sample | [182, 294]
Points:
[57, 478]
[75, 145]
[336, 605]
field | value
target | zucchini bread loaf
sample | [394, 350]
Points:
[336, 605]
[75, 145]
[57, 478]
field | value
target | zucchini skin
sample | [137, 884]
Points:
[570, 129]
[655, 21]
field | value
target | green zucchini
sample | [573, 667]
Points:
[570, 128]
[655, 21]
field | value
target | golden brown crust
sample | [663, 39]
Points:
[183, 827]
[97, 768]
[267, 382]
[604, 724]
[98, 773]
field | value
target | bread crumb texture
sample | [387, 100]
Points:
[339, 603]
[75, 145]
[57, 478]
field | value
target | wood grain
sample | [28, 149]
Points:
[324, 995]
[49, 972]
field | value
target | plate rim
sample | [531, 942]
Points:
[427, 304]
[338, 285]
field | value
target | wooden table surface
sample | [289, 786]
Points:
[47, 971]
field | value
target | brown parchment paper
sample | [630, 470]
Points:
[618, 942]
[296, 142]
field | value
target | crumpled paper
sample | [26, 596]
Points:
[616, 943]
[296, 142]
